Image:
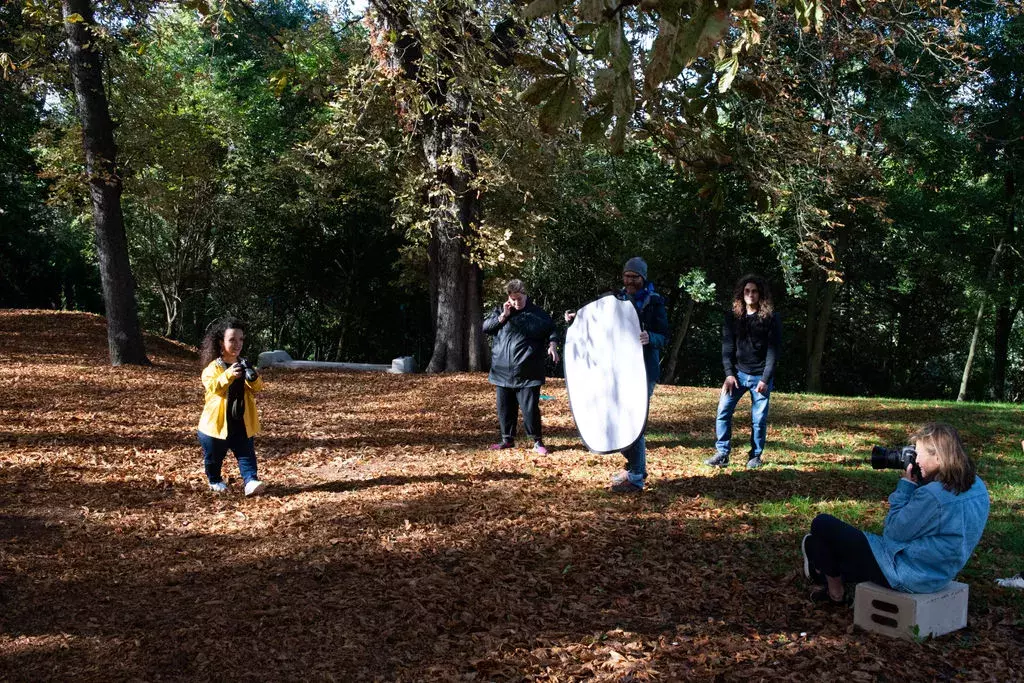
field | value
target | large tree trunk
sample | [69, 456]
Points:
[450, 142]
[123, 332]
[1000, 351]
[454, 214]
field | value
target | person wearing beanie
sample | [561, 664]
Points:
[650, 307]
[654, 332]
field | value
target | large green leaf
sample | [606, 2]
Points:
[596, 125]
[538, 66]
[542, 88]
[662, 54]
[540, 8]
[593, 10]
[564, 106]
[704, 29]
[727, 70]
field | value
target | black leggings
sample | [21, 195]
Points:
[836, 549]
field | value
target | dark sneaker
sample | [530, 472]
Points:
[502, 446]
[626, 487]
[754, 462]
[540, 448]
[718, 460]
[821, 596]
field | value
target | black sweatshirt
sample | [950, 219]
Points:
[751, 345]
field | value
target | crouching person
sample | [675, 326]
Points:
[936, 517]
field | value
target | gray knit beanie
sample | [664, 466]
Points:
[636, 265]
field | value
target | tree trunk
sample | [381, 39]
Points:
[817, 334]
[124, 335]
[450, 142]
[474, 314]
[962, 395]
[677, 342]
[1000, 350]
[1005, 313]
[970, 353]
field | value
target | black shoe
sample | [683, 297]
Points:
[626, 487]
[754, 462]
[718, 460]
[821, 596]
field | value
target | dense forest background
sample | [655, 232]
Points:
[358, 185]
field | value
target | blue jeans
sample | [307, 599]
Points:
[636, 455]
[215, 449]
[758, 415]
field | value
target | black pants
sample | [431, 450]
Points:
[837, 549]
[509, 402]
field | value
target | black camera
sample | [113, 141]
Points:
[883, 458]
[250, 371]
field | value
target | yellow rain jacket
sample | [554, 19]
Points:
[214, 421]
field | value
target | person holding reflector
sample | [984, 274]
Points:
[612, 362]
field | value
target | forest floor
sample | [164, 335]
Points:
[392, 545]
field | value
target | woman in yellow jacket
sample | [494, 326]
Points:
[229, 419]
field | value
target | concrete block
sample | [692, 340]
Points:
[268, 358]
[893, 613]
[403, 364]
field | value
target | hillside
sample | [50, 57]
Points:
[392, 545]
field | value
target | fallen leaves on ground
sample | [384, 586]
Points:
[392, 545]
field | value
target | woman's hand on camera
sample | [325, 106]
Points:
[909, 474]
[237, 370]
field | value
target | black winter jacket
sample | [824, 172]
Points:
[519, 347]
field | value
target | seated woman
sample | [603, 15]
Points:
[934, 522]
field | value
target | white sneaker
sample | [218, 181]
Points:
[254, 487]
[1012, 582]
[807, 560]
[219, 487]
[619, 477]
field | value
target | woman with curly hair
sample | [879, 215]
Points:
[751, 336]
[229, 420]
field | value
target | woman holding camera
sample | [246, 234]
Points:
[229, 419]
[935, 520]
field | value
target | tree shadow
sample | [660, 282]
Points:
[343, 486]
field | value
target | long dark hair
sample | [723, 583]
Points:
[766, 305]
[210, 349]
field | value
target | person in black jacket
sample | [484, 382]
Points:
[751, 336]
[520, 329]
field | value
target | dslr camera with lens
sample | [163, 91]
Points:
[883, 458]
[250, 371]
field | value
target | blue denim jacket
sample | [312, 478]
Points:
[929, 534]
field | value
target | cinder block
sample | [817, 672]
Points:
[893, 613]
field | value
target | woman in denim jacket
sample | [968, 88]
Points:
[935, 521]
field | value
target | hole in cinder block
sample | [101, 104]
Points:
[885, 606]
[884, 621]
